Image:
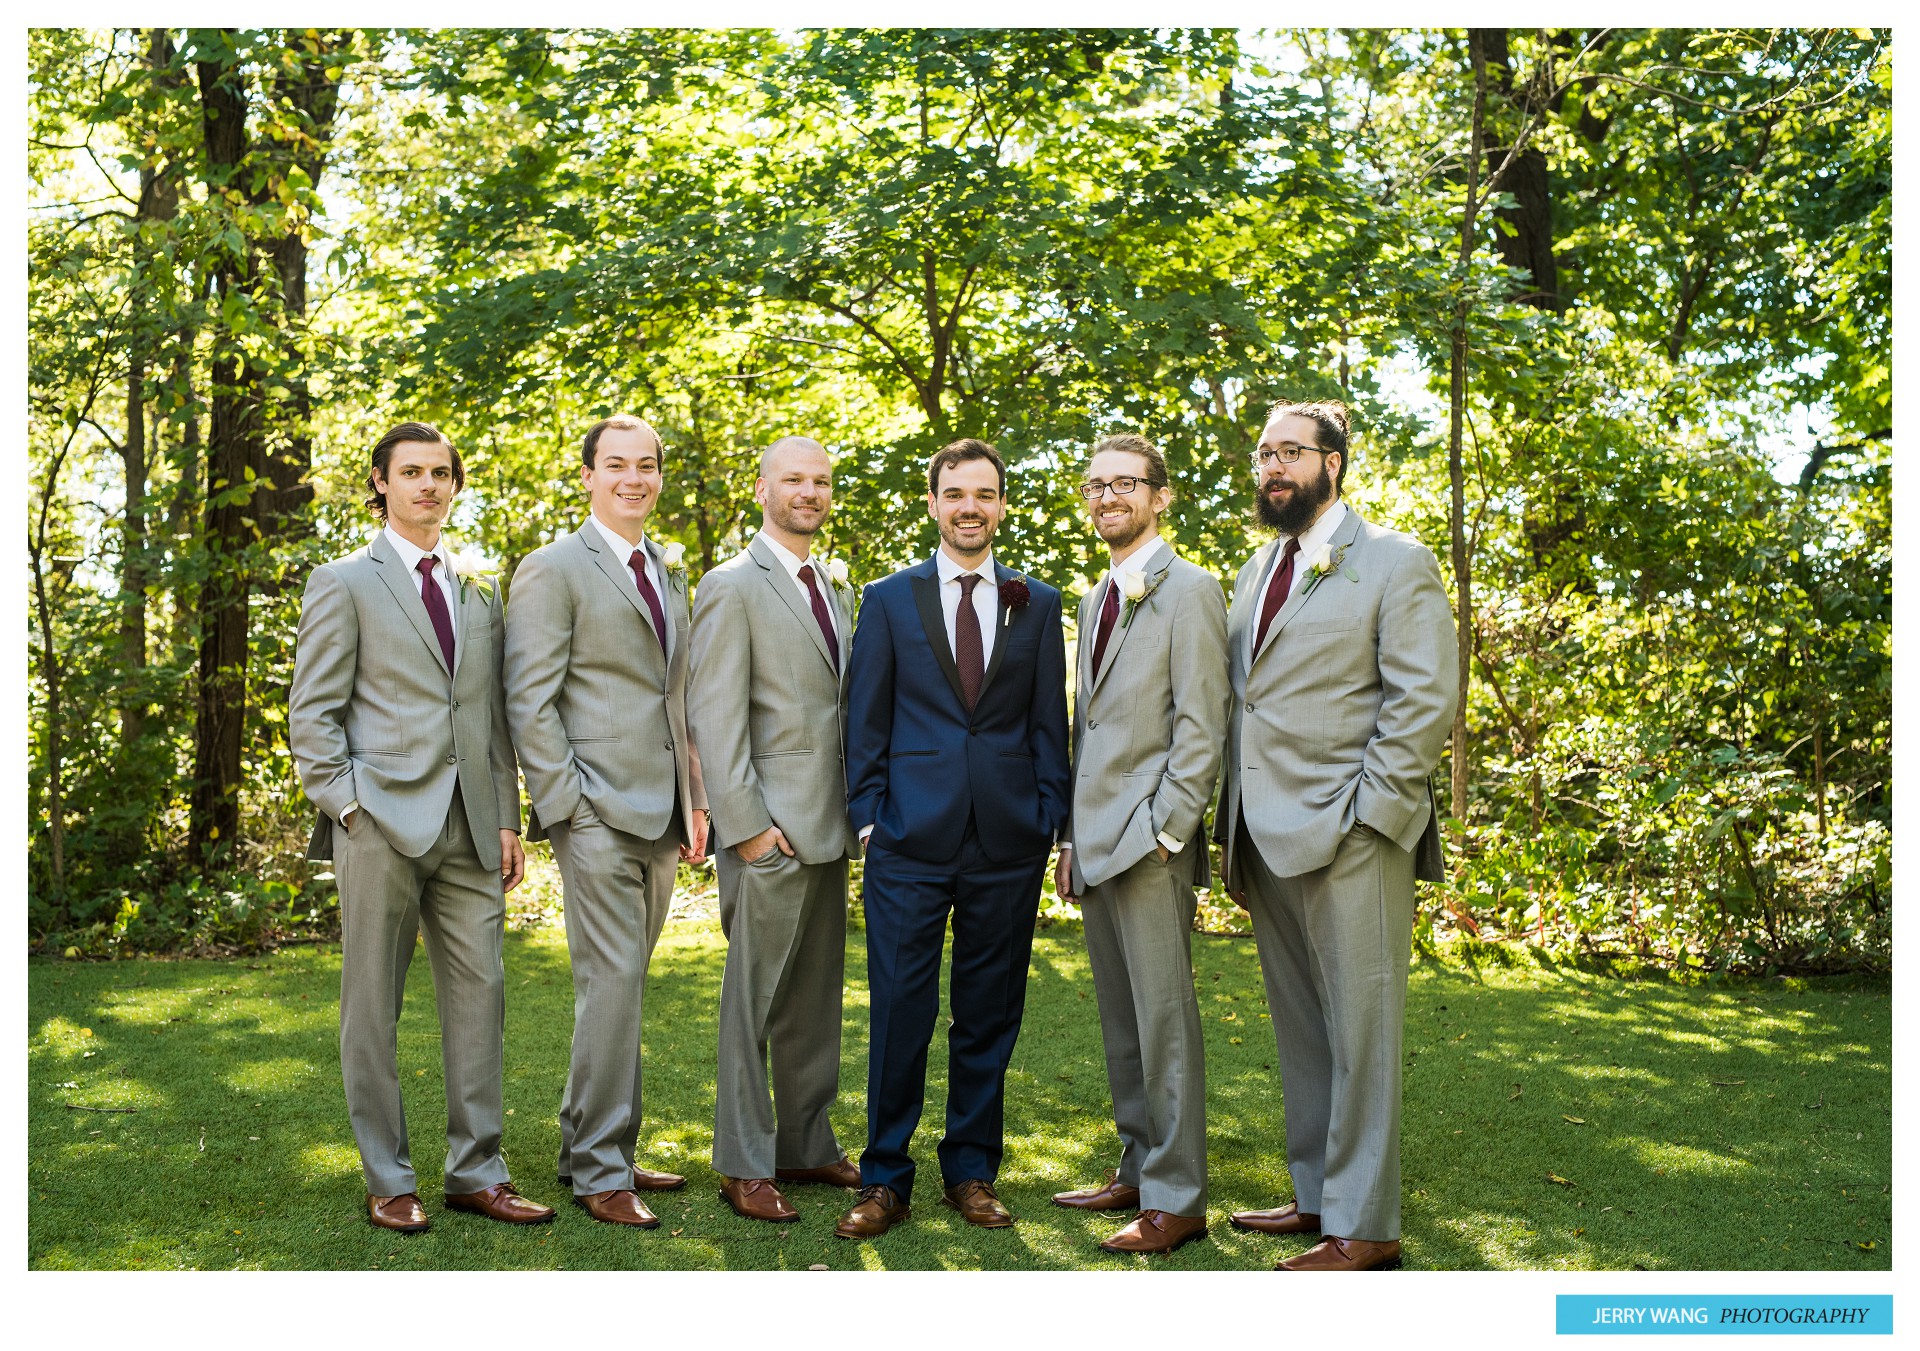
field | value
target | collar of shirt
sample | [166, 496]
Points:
[949, 569]
[621, 547]
[411, 554]
[791, 561]
[1137, 560]
[1321, 531]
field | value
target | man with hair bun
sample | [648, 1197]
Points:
[397, 723]
[1342, 650]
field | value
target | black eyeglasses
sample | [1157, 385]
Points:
[1120, 487]
[1285, 453]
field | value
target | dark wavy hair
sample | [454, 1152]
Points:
[959, 452]
[424, 433]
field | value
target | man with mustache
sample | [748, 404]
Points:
[1344, 681]
[596, 662]
[398, 726]
[1148, 718]
[957, 782]
[766, 700]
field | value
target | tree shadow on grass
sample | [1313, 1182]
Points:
[1552, 1119]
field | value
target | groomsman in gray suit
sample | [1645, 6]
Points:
[596, 663]
[1343, 690]
[767, 704]
[1148, 719]
[399, 731]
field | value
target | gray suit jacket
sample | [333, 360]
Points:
[1342, 714]
[1148, 725]
[599, 715]
[766, 707]
[374, 718]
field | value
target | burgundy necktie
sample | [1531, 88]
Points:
[638, 562]
[1277, 591]
[436, 608]
[820, 615]
[1109, 611]
[967, 652]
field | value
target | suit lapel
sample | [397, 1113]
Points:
[1124, 624]
[616, 571]
[401, 583]
[925, 583]
[1004, 620]
[1342, 538]
[461, 594]
[782, 582]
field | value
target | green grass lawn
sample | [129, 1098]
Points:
[1553, 1120]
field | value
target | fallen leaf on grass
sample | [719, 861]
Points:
[1515, 1095]
[1868, 1246]
[1726, 1083]
[1578, 1121]
[1559, 1181]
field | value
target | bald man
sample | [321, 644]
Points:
[767, 702]
[596, 676]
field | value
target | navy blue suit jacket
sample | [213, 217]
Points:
[918, 762]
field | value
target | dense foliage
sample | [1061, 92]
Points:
[1614, 307]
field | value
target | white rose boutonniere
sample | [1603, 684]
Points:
[674, 556]
[837, 572]
[475, 569]
[1134, 589]
[1325, 560]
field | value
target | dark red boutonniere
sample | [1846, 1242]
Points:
[1013, 596]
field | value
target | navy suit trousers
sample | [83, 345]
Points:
[993, 906]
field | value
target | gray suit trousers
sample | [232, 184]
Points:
[385, 899]
[1137, 927]
[618, 889]
[1334, 946]
[786, 928]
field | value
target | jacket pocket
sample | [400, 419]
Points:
[895, 755]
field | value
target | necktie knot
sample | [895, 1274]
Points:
[1293, 545]
[426, 565]
[806, 574]
[968, 581]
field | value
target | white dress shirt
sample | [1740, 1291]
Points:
[986, 602]
[623, 550]
[1136, 561]
[793, 562]
[411, 554]
[1320, 532]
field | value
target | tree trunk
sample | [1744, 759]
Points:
[1530, 245]
[1456, 419]
[232, 433]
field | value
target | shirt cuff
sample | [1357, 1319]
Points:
[349, 810]
[865, 831]
[1168, 843]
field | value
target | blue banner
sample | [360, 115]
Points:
[1719, 1315]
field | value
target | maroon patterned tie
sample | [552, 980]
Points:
[638, 562]
[1109, 611]
[436, 608]
[967, 651]
[820, 615]
[1276, 591]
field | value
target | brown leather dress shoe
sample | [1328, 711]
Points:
[402, 1213]
[1113, 1194]
[845, 1173]
[1285, 1219]
[1345, 1254]
[977, 1204]
[500, 1202]
[618, 1207]
[756, 1198]
[1157, 1231]
[646, 1180]
[880, 1208]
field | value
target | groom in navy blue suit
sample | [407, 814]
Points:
[957, 780]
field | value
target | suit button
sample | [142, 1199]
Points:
[669, 745]
[1092, 725]
[453, 759]
[456, 704]
[1249, 708]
